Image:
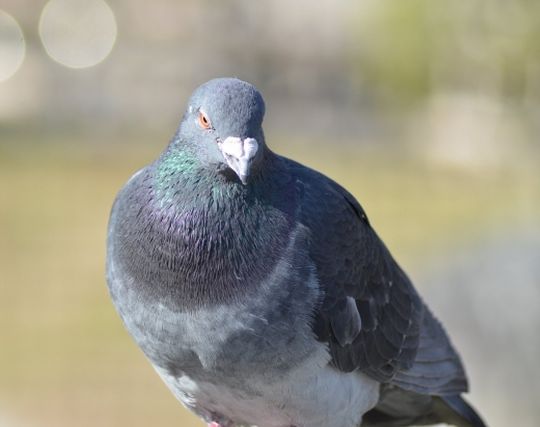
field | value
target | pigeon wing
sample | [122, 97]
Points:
[371, 317]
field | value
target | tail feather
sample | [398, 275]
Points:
[400, 408]
[465, 411]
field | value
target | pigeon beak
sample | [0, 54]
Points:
[239, 155]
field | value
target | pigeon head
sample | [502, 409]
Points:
[223, 126]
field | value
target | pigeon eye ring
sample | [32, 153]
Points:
[204, 121]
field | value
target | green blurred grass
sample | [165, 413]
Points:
[66, 359]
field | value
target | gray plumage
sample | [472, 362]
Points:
[261, 294]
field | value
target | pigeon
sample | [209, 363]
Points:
[261, 294]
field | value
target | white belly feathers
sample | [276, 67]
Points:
[314, 395]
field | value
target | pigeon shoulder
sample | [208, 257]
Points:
[325, 199]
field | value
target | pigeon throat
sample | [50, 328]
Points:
[181, 177]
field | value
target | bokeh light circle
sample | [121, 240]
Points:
[77, 33]
[12, 46]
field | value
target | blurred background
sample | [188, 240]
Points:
[427, 111]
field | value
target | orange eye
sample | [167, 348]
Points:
[203, 121]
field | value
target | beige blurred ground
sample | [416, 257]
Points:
[428, 112]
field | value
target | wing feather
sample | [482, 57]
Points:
[388, 333]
